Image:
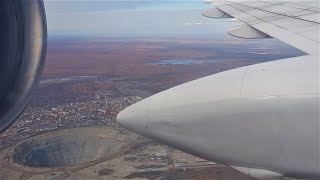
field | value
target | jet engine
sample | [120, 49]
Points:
[23, 35]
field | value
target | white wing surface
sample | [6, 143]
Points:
[293, 22]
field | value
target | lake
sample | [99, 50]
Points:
[180, 61]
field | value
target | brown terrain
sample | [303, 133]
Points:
[86, 82]
[129, 58]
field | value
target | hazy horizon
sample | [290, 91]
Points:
[132, 19]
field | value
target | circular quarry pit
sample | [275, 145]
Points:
[70, 147]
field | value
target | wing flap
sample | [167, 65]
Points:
[247, 32]
[215, 13]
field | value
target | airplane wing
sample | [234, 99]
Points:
[293, 22]
[262, 119]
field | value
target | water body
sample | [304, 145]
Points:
[181, 61]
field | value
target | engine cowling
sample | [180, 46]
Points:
[23, 35]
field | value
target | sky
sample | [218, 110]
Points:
[132, 18]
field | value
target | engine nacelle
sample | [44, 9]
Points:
[23, 35]
[262, 118]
